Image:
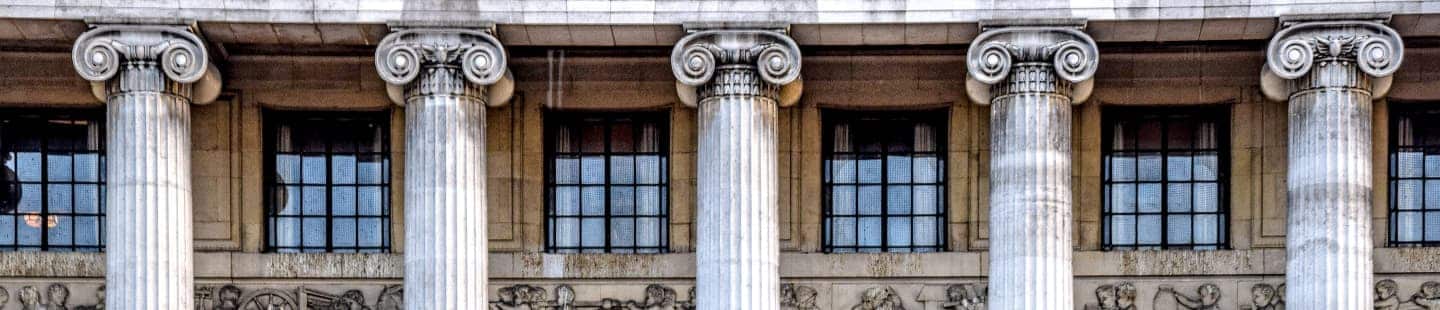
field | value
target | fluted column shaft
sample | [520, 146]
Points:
[1328, 71]
[1030, 194]
[444, 192]
[147, 75]
[738, 255]
[1329, 188]
[148, 246]
[1030, 76]
[442, 77]
[736, 77]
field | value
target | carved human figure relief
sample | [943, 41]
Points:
[880, 298]
[797, 297]
[1428, 297]
[1207, 298]
[1266, 297]
[29, 298]
[964, 297]
[1114, 297]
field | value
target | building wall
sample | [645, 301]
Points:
[228, 169]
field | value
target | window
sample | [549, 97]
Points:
[329, 182]
[607, 183]
[1164, 178]
[884, 182]
[52, 186]
[1414, 175]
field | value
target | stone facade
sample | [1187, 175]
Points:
[505, 65]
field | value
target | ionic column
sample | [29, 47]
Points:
[1329, 71]
[444, 78]
[736, 78]
[148, 75]
[1030, 76]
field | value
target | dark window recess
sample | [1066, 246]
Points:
[1165, 179]
[884, 182]
[328, 182]
[1414, 175]
[607, 183]
[52, 185]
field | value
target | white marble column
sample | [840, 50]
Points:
[737, 77]
[147, 76]
[1329, 71]
[1029, 76]
[442, 77]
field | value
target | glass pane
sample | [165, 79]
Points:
[1407, 194]
[843, 168]
[869, 169]
[1178, 168]
[1207, 228]
[870, 231]
[1149, 135]
[342, 168]
[898, 169]
[622, 170]
[566, 232]
[314, 232]
[927, 169]
[844, 229]
[285, 200]
[622, 200]
[58, 168]
[647, 200]
[592, 169]
[1432, 226]
[1149, 229]
[1122, 167]
[592, 232]
[842, 199]
[1179, 198]
[61, 198]
[1432, 165]
[1179, 229]
[648, 232]
[343, 201]
[371, 232]
[313, 170]
[1123, 198]
[1207, 197]
[59, 230]
[567, 169]
[898, 200]
[927, 199]
[622, 232]
[869, 201]
[1432, 194]
[1408, 226]
[1409, 164]
[1207, 166]
[87, 230]
[287, 232]
[647, 169]
[622, 137]
[373, 169]
[345, 232]
[372, 200]
[87, 167]
[1149, 167]
[1122, 229]
[593, 139]
[593, 202]
[899, 231]
[1149, 198]
[1181, 134]
[27, 166]
[314, 200]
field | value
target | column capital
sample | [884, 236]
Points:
[1049, 58]
[1299, 47]
[758, 61]
[462, 59]
[103, 52]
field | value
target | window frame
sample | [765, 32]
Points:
[101, 216]
[553, 121]
[1392, 178]
[937, 118]
[271, 119]
[1220, 114]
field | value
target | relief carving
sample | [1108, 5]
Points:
[1207, 298]
[1114, 297]
[527, 297]
[964, 297]
[1387, 296]
[798, 297]
[231, 297]
[1267, 297]
[878, 298]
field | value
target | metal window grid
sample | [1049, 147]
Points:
[1427, 144]
[332, 126]
[52, 127]
[883, 128]
[1166, 118]
[575, 123]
